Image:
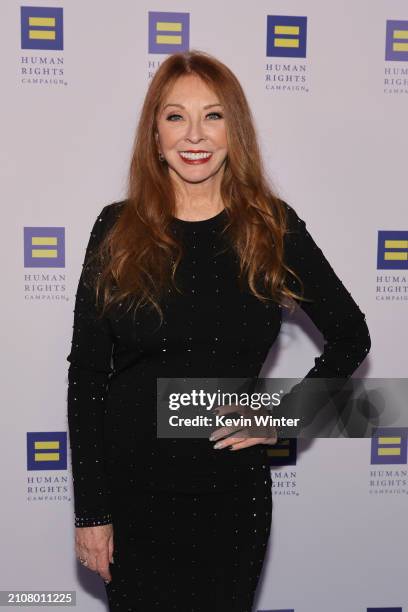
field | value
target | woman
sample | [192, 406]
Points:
[187, 277]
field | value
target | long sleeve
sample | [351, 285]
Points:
[88, 379]
[333, 311]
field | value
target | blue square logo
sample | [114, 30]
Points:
[286, 36]
[389, 446]
[44, 247]
[42, 28]
[47, 450]
[396, 41]
[392, 250]
[169, 32]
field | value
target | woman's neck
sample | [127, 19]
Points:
[196, 201]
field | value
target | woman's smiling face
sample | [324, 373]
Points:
[191, 132]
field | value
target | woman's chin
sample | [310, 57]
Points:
[195, 174]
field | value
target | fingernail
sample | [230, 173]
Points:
[218, 445]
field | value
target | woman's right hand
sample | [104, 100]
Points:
[95, 545]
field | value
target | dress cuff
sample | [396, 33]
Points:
[86, 521]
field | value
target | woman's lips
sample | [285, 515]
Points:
[194, 162]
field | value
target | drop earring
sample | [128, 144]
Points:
[161, 157]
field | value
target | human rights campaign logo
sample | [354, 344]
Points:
[396, 41]
[169, 32]
[44, 247]
[42, 28]
[389, 445]
[283, 452]
[286, 36]
[392, 251]
[47, 450]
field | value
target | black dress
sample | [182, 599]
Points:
[191, 523]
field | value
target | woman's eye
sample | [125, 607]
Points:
[170, 117]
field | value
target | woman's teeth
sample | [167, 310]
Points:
[195, 155]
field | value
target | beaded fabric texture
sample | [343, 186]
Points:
[191, 523]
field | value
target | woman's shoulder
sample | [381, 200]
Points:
[113, 210]
[290, 210]
[105, 221]
[293, 221]
[108, 216]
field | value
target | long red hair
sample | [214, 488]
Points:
[139, 255]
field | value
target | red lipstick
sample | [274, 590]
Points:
[194, 162]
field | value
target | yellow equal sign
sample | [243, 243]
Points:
[169, 39]
[400, 35]
[396, 255]
[41, 241]
[48, 22]
[45, 445]
[281, 30]
[387, 451]
[279, 452]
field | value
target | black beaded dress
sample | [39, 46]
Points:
[191, 523]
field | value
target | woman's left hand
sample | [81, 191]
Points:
[245, 435]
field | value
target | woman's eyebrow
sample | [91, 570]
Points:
[181, 106]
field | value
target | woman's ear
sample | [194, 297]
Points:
[156, 138]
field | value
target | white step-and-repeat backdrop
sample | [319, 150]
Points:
[328, 85]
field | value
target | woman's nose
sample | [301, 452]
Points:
[194, 130]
